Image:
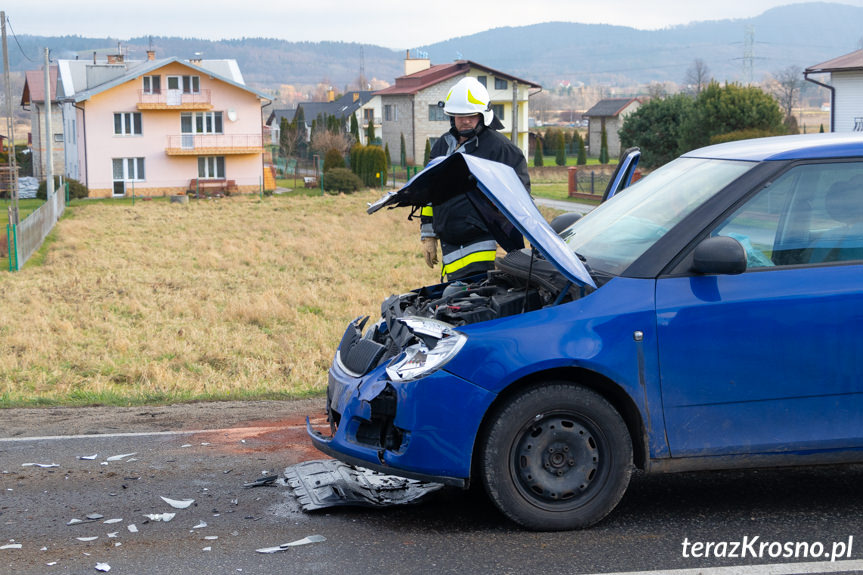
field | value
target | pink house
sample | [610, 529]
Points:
[160, 127]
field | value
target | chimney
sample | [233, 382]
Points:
[151, 55]
[115, 58]
[331, 94]
[196, 59]
[414, 65]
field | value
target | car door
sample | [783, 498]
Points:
[771, 360]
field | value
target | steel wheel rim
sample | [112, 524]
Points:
[558, 461]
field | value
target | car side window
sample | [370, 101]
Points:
[811, 214]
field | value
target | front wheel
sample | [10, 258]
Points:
[557, 456]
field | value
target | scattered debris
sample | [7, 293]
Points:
[119, 457]
[330, 483]
[200, 525]
[207, 549]
[178, 504]
[186, 445]
[52, 563]
[88, 457]
[85, 539]
[42, 465]
[268, 480]
[113, 535]
[74, 521]
[132, 528]
[11, 546]
[103, 567]
[95, 517]
[284, 546]
[211, 537]
[115, 520]
[160, 516]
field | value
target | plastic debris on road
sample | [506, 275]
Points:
[285, 546]
[177, 503]
[88, 457]
[103, 567]
[119, 457]
[326, 483]
[11, 546]
[160, 516]
[268, 480]
[42, 465]
[132, 528]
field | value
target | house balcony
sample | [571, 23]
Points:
[174, 100]
[214, 144]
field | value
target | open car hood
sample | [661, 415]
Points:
[500, 184]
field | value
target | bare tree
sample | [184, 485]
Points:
[786, 86]
[697, 76]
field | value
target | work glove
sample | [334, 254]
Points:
[430, 251]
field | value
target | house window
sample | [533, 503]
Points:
[369, 115]
[482, 80]
[211, 167]
[436, 113]
[126, 170]
[152, 84]
[188, 84]
[201, 122]
[391, 113]
[498, 111]
[127, 123]
[500, 84]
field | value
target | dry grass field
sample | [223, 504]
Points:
[229, 299]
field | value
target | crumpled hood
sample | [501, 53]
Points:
[500, 184]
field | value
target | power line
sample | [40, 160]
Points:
[16, 41]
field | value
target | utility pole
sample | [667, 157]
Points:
[10, 130]
[49, 132]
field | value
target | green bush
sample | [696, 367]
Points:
[76, 189]
[341, 180]
[333, 159]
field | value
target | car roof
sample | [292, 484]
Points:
[804, 146]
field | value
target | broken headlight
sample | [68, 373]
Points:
[438, 344]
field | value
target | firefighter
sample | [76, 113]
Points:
[461, 224]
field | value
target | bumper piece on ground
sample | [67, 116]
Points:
[329, 483]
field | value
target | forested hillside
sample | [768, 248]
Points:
[798, 34]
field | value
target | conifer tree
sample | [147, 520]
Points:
[537, 154]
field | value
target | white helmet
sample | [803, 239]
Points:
[469, 97]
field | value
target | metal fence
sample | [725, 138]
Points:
[26, 237]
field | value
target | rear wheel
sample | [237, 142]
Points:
[557, 456]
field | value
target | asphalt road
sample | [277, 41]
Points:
[450, 531]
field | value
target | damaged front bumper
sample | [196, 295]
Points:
[423, 429]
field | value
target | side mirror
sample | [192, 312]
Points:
[719, 255]
[563, 221]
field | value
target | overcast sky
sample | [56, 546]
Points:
[396, 24]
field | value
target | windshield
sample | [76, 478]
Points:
[616, 233]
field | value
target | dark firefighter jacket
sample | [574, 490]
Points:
[468, 226]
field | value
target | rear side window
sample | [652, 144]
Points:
[812, 214]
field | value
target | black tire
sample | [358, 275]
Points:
[556, 456]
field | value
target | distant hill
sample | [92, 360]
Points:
[798, 34]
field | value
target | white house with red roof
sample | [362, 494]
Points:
[410, 106]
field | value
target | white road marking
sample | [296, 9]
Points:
[140, 434]
[774, 569]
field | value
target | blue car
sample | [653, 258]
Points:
[708, 316]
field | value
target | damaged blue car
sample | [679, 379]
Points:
[708, 316]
